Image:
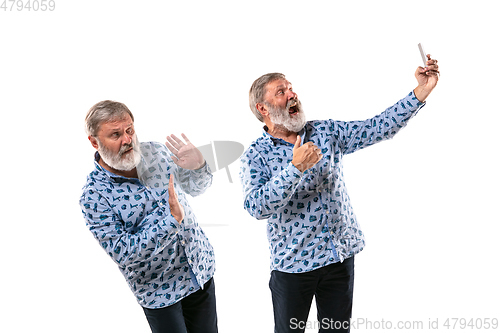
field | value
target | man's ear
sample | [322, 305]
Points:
[262, 109]
[93, 141]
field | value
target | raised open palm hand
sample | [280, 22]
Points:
[186, 155]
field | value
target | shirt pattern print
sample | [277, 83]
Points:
[163, 261]
[311, 222]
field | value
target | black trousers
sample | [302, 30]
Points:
[292, 295]
[195, 313]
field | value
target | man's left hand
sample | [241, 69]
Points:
[427, 78]
[186, 155]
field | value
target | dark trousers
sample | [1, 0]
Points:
[292, 295]
[195, 313]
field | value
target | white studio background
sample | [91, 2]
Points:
[427, 200]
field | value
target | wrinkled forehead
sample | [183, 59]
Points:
[117, 122]
[278, 84]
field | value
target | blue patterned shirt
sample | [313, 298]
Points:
[163, 261]
[311, 222]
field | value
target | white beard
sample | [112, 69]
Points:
[281, 118]
[117, 161]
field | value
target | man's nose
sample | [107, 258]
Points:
[127, 139]
[292, 95]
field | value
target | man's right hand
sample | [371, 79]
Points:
[305, 156]
[176, 208]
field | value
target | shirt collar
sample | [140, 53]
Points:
[276, 141]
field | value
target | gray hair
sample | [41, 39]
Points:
[258, 90]
[102, 112]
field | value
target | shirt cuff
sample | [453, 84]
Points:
[292, 172]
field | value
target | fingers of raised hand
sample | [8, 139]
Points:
[185, 138]
[432, 66]
[175, 141]
[431, 61]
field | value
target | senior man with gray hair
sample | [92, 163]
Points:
[142, 219]
[292, 176]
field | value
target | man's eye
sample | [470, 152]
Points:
[280, 92]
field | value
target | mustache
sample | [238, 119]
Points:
[292, 103]
[125, 148]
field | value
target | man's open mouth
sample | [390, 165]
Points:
[292, 109]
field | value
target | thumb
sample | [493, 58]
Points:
[171, 184]
[297, 143]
